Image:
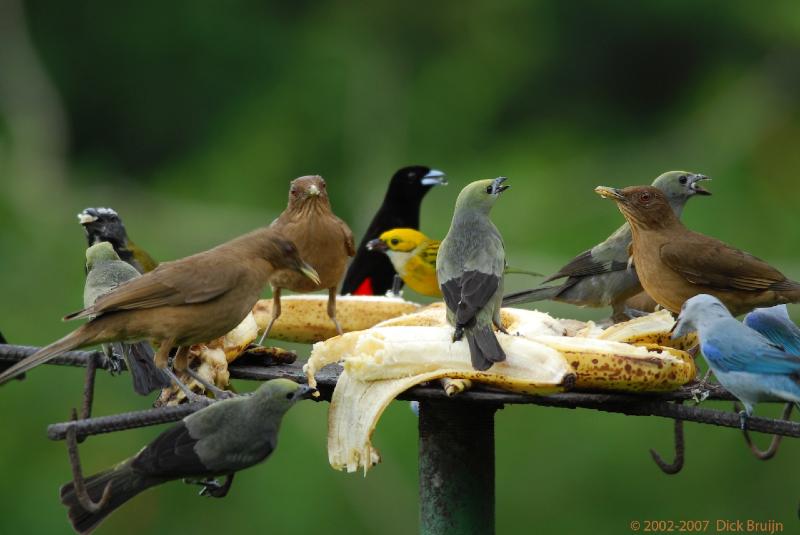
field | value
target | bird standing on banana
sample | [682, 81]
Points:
[675, 264]
[104, 224]
[180, 303]
[371, 273]
[104, 272]
[322, 239]
[219, 440]
[602, 276]
[470, 270]
[746, 363]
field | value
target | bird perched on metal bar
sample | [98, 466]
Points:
[322, 239]
[105, 271]
[219, 440]
[470, 269]
[371, 273]
[183, 302]
[602, 276]
[674, 264]
[775, 324]
[746, 363]
[104, 224]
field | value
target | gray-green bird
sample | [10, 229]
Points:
[469, 267]
[601, 276]
[104, 272]
[219, 440]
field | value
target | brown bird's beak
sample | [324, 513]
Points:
[609, 193]
[309, 272]
[697, 188]
[497, 185]
[377, 245]
[313, 190]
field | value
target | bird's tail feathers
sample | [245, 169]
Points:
[81, 336]
[125, 484]
[531, 296]
[484, 349]
[146, 376]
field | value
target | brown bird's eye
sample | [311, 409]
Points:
[683, 179]
[644, 197]
[294, 192]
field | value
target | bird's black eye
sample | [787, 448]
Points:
[489, 190]
[644, 197]
[683, 179]
[395, 241]
[290, 395]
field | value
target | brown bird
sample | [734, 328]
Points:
[324, 241]
[184, 302]
[675, 263]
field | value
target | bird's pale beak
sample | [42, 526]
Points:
[497, 185]
[377, 245]
[305, 392]
[696, 187]
[85, 219]
[313, 190]
[309, 272]
[609, 193]
[434, 178]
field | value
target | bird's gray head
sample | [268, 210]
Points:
[481, 194]
[679, 186]
[99, 253]
[283, 393]
[696, 312]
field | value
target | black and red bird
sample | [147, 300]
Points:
[371, 272]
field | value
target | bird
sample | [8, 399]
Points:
[601, 276]
[747, 364]
[674, 263]
[371, 273]
[104, 224]
[105, 271]
[183, 302]
[323, 240]
[775, 324]
[413, 256]
[470, 267]
[218, 440]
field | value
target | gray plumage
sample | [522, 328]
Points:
[470, 267]
[106, 271]
[220, 440]
[602, 276]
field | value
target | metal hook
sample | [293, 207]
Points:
[77, 475]
[680, 452]
[769, 453]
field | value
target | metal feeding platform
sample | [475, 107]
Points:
[456, 434]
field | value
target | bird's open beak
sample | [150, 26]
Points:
[85, 219]
[377, 245]
[305, 392]
[309, 272]
[313, 190]
[609, 193]
[696, 187]
[434, 178]
[497, 185]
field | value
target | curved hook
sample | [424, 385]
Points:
[769, 453]
[680, 452]
[77, 476]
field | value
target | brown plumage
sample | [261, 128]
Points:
[180, 303]
[675, 263]
[324, 241]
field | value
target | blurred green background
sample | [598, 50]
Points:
[190, 118]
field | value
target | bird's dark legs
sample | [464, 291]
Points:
[743, 420]
[397, 286]
[213, 488]
[276, 313]
[114, 361]
[332, 309]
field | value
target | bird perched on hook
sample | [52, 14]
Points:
[183, 302]
[371, 273]
[104, 224]
[322, 239]
[602, 275]
[470, 270]
[775, 324]
[746, 363]
[219, 440]
[104, 272]
[674, 264]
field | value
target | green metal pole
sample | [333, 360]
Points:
[456, 468]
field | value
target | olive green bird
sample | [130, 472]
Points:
[602, 275]
[104, 272]
[470, 267]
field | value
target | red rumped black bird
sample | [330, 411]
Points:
[371, 272]
[104, 224]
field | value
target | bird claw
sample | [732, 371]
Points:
[743, 420]
[212, 488]
[114, 364]
[699, 395]
[458, 334]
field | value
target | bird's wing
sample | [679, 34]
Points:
[585, 264]
[764, 357]
[182, 282]
[776, 328]
[710, 262]
[468, 294]
[171, 454]
[349, 240]
[429, 252]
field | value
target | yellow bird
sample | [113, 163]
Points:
[413, 256]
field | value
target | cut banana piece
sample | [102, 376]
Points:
[651, 329]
